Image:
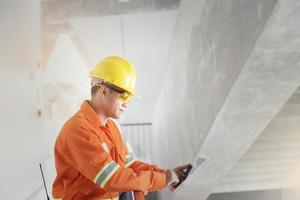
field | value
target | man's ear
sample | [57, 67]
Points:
[103, 91]
[98, 92]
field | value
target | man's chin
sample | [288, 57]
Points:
[116, 116]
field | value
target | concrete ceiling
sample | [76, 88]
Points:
[56, 16]
[62, 10]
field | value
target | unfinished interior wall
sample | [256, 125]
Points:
[22, 141]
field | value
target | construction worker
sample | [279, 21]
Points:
[91, 159]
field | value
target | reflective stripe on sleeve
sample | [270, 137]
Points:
[129, 160]
[106, 173]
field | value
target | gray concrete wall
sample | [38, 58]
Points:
[223, 86]
[251, 195]
[269, 77]
[209, 48]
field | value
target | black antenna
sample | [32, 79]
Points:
[44, 182]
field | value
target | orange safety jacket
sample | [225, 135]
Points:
[92, 162]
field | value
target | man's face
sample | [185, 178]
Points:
[114, 105]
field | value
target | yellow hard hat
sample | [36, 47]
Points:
[117, 71]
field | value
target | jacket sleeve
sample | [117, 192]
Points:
[84, 152]
[138, 165]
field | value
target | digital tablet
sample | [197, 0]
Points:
[191, 169]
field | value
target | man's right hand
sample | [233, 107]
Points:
[175, 175]
[172, 177]
[180, 171]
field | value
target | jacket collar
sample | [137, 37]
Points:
[91, 115]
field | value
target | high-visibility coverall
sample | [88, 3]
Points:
[92, 161]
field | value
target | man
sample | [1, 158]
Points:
[91, 159]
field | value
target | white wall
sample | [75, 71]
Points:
[144, 38]
[21, 138]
